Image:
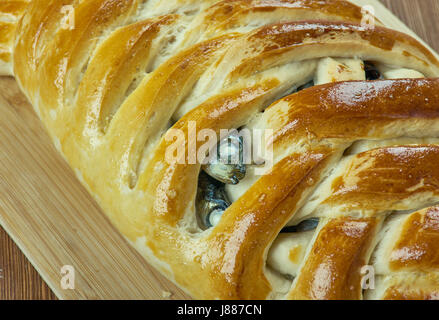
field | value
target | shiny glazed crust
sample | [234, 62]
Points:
[356, 154]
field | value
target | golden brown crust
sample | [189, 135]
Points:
[10, 12]
[327, 111]
[404, 293]
[408, 286]
[230, 15]
[420, 289]
[108, 88]
[384, 178]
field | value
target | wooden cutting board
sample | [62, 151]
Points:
[55, 222]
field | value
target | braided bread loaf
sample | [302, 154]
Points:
[354, 156]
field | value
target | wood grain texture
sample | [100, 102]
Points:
[54, 220]
[36, 183]
[19, 280]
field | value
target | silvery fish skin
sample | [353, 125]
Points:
[228, 167]
[372, 72]
[211, 201]
[306, 225]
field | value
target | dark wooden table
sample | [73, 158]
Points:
[19, 280]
